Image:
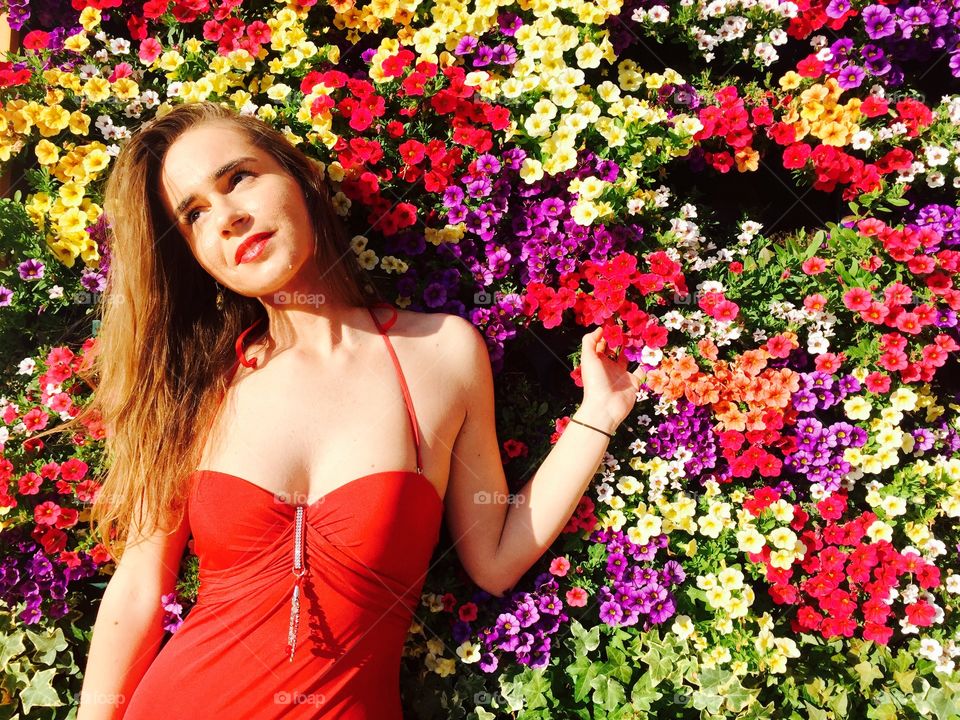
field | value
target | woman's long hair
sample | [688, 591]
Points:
[163, 349]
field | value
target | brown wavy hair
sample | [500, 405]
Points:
[159, 363]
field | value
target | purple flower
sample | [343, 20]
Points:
[878, 21]
[6, 296]
[30, 269]
[483, 57]
[838, 8]
[504, 54]
[467, 45]
[851, 77]
[611, 612]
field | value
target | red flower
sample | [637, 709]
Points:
[795, 156]
[921, 613]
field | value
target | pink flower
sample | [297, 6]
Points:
[46, 513]
[576, 597]
[857, 299]
[559, 566]
[149, 51]
[814, 265]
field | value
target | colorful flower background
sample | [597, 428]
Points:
[755, 199]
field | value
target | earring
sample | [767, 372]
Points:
[219, 300]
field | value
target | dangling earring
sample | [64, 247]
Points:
[219, 297]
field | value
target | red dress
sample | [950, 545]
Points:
[340, 578]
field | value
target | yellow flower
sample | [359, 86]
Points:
[783, 538]
[857, 408]
[903, 399]
[469, 652]
[781, 559]
[710, 526]
[584, 212]
[718, 597]
[71, 194]
[682, 626]
[893, 505]
[747, 160]
[367, 259]
[879, 530]
[588, 56]
[76, 43]
[750, 541]
[730, 578]
[47, 153]
[90, 18]
[790, 80]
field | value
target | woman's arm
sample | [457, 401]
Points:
[128, 630]
[498, 537]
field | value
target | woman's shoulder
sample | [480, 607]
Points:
[434, 328]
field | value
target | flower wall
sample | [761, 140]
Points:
[756, 200]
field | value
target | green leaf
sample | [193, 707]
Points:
[905, 679]
[583, 641]
[940, 703]
[815, 244]
[644, 694]
[608, 693]
[583, 672]
[40, 693]
[48, 645]
[739, 697]
[11, 646]
[815, 713]
[886, 711]
[867, 672]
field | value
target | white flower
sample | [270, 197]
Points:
[862, 140]
[935, 179]
[658, 14]
[936, 155]
[26, 366]
[930, 649]
[952, 584]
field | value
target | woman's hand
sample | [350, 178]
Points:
[608, 387]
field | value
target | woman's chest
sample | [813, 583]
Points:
[292, 428]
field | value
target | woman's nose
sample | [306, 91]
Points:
[232, 219]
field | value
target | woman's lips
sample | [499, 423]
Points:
[254, 249]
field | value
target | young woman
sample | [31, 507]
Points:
[309, 436]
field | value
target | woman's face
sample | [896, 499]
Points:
[221, 190]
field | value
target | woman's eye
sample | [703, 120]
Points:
[188, 218]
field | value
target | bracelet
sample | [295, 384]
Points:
[592, 427]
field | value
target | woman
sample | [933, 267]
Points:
[330, 455]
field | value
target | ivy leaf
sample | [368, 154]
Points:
[10, 647]
[583, 641]
[867, 672]
[48, 645]
[644, 693]
[583, 673]
[905, 679]
[40, 693]
[608, 693]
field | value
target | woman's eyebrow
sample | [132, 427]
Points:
[223, 170]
